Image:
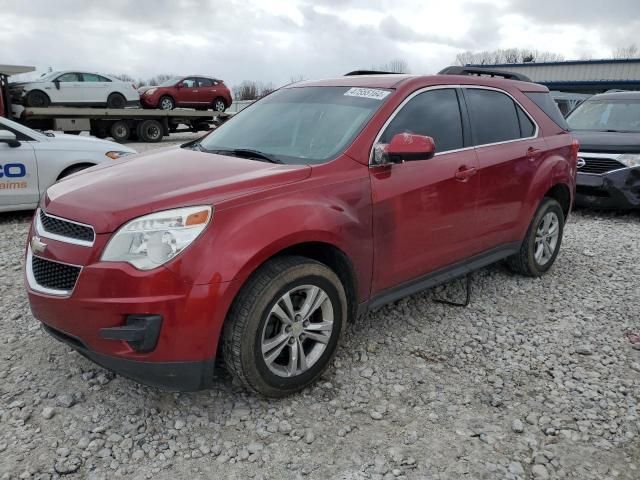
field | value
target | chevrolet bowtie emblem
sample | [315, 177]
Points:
[37, 246]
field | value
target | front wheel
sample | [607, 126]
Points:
[542, 242]
[284, 327]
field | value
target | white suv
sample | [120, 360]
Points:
[75, 89]
[31, 161]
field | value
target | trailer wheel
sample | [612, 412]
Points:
[116, 100]
[37, 99]
[120, 131]
[150, 131]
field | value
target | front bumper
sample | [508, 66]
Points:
[619, 189]
[92, 315]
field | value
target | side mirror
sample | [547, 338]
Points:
[404, 147]
[57, 84]
[9, 138]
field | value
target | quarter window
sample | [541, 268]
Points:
[494, 117]
[434, 113]
[527, 127]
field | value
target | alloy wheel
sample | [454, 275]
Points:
[297, 330]
[546, 239]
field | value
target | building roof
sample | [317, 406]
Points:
[15, 69]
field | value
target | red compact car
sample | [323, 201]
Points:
[197, 92]
[324, 199]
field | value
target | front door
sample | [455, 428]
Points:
[68, 90]
[187, 93]
[423, 211]
[18, 173]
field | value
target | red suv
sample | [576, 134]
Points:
[325, 199]
[197, 92]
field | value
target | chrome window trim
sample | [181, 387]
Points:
[441, 87]
[612, 156]
[54, 236]
[36, 287]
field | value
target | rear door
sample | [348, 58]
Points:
[187, 93]
[18, 172]
[96, 88]
[423, 211]
[509, 150]
[208, 90]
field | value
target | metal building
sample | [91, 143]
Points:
[580, 76]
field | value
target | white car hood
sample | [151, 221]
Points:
[77, 142]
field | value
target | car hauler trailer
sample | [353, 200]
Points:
[121, 124]
[5, 72]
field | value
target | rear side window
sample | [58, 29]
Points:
[92, 77]
[527, 127]
[435, 113]
[494, 117]
[205, 82]
[544, 101]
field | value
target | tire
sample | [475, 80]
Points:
[37, 99]
[120, 131]
[116, 100]
[251, 322]
[150, 131]
[166, 103]
[219, 105]
[534, 259]
[72, 170]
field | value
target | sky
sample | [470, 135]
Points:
[279, 40]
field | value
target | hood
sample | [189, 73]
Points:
[607, 142]
[144, 89]
[63, 141]
[108, 195]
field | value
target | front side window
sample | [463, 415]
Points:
[69, 77]
[434, 113]
[493, 116]
[606, 115]
[189, 83]
[299, 125]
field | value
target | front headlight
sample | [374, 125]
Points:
[152, 240]
[117, 154]
[151, 91]
[630, 159]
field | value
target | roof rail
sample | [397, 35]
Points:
[457, 70]
[368, 72]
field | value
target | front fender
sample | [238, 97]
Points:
[242, 238]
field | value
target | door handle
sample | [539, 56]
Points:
[533, 153]
[464, 173]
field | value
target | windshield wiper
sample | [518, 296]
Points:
[248, 153]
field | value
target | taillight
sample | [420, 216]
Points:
[575, 148]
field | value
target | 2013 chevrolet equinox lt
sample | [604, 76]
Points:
[326, 198]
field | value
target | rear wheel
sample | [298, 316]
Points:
[120, 131]
[542, 241]
[166, 103]
[219, 105]
[37, 99]
[150, 131]
[284, 327]
[116, 100]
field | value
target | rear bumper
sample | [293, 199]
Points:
[619, 189]
[174, 376]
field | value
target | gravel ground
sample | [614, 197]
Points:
[535, 379]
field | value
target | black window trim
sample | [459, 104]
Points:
[466, 122]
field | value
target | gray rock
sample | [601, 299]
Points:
[48, 413]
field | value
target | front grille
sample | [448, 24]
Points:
[54, 275]
[599, 165]
[64, 228]
[591, 191]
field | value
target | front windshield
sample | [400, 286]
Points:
[606, 115]
[6, 124]
[170, 83]
[299, 125]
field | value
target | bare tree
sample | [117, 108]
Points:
[247, 90]
[397, 65]
[296, 78]
[630, 51]
[123, 76]
[506, 55]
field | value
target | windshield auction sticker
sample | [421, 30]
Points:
[372, 93]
